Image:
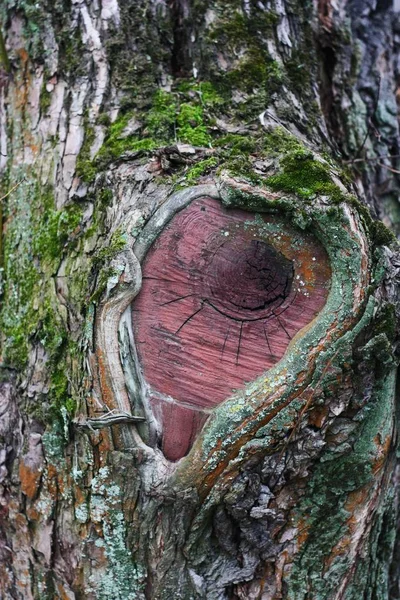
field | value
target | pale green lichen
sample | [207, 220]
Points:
[122, 579]
[324, 505]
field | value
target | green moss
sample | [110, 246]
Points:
[191, 127]
[118, 143]
[60, 394]
[386, 321]
[254, 71]
[381, 235]
[117, 243]
[184, 115]
[101, 264]
[37, 239]
[208, 94]
[160, 120]
[299, 69]
[4, 60]
[53, 228]
[104, 119]
[241, 166]
[72, 52]
[305, 176]
[138, 51]
[45, 98]
[200, 168]
[238, 144]
[296, 169]
[237, 28]
[250, 68]
[280, 141]
[377, 354]
[85, 168]
[105, 197]
[170, 119]
[103, 277]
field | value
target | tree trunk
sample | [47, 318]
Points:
[200, 299]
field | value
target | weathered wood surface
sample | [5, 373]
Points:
[288, 110]
[223, 294]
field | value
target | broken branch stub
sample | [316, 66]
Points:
[226, 294]
[224, 291]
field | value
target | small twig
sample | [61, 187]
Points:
[107, 420]
[389, 168]
[372, 159]
[12, 189]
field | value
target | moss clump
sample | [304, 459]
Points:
[241, 166]
[305, 176]
[295, 168]
[256, 71]
[191, 127]
[237, 29]
[237, 144]
[45, 99]
[386, 322]
[104, 197]
[160, 121]
[104, 119]
[205, 91]
[38, 238]
[381, 235]
[17, 318]
[279, 141]
[117, 243]
[85, 168]
[250, 68]
[53, 228]
[200, 168]
[184, 115]
[117, 142]
[180, 116]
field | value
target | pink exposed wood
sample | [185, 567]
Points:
[224, 292]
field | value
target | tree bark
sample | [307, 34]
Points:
[118, 122]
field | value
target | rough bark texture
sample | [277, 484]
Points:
[114, 118]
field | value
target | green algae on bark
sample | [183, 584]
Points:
[35, 244]
[326, 511]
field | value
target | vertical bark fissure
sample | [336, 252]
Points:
[181, 64]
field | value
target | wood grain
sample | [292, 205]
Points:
[224, 292]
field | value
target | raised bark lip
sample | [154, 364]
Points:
[262, 412]
[185, 255]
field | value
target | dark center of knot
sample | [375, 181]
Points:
[246, 280]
